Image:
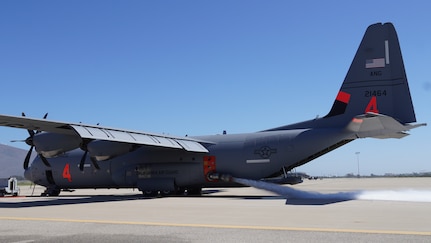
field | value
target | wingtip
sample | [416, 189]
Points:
[411, 126]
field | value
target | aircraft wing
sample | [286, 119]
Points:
[104, 133]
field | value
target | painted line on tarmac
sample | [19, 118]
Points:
[221, 226]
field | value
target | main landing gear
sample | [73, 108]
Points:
[51, 192]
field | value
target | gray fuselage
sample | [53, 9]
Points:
[252, 156]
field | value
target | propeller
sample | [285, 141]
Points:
[27, 157]
[84, 157]
[94, 161]
[81, 164]
[29, 141]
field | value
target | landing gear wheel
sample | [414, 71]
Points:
[166, 193]
[51, 192]
[196, 191]
[180, 191]
[150, 193]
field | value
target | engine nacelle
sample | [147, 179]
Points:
[104, 150]
[52, 144]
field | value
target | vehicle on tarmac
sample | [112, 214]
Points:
[9, 187]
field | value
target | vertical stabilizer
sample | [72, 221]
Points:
[376, 81]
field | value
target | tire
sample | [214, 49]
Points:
[150, 193]
[195, 191]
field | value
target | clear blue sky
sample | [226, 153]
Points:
[201, 67]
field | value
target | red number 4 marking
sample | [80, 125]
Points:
[66, 173]
[372, 106]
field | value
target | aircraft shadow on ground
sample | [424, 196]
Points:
[295, 201]
[81, 199]
[55, 201]
[317, 202]
[85, 199]
[296, 198]
[290, 195]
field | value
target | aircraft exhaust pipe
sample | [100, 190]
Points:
[222, 177]
[212, 176]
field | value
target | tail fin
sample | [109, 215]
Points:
[376, 81]
[374, 99]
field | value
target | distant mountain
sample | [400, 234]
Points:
[11, 161]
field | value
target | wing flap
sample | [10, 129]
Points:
[104, 133]
[108, 134]
[192, 146]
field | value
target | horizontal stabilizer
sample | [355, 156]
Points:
[379, 126]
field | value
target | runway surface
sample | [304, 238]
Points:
[388, 210]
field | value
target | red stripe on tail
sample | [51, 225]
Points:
[343, 97]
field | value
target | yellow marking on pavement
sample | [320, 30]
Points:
[221, 226]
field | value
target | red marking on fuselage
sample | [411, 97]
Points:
[209, 165]
[66, 173]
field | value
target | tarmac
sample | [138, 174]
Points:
[327, 210]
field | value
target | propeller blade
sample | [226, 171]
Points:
[29, 141]
[27, 158]
[44, 117]
[44, 160]
[81, 164]
[96, 165]
[30, 132]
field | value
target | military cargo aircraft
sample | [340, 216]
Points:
[374, 101]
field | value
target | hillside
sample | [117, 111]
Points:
[11, 160]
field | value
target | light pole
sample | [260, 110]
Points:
[357, 158]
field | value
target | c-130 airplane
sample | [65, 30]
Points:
[374, 101]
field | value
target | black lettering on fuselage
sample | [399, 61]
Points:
[376, 73]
